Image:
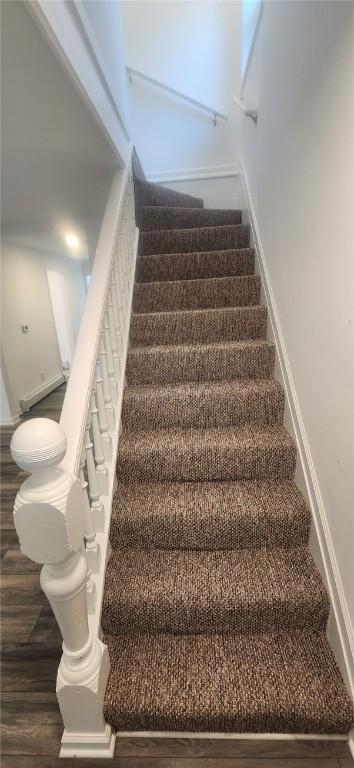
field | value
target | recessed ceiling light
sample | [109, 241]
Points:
[72, 240]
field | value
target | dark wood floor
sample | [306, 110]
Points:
[31, 724]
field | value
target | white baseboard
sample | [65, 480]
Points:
[351, 743]
[11, 421]
[194, 174]
[209, 735]
[40, 392]
[340, 634]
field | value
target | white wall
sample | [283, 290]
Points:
[32, 359]
[7, 410]
[106, 25]
[192, 46]
[299, 162]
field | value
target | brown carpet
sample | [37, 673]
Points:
[214, 611]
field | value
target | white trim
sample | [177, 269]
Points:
[343, 641]
[88, 745]
[351, 743]
[11, 421]
[41, 391]
[231, 736]
[194, 174]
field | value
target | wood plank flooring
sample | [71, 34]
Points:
[31, 649]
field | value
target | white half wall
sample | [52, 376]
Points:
[194, 47]
[86, 35]
[299, 165]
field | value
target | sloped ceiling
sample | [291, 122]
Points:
[57, 164]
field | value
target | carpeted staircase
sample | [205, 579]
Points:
[214, 612]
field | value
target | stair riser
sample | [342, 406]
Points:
[181, 534]
[201, 409]
[232, 683]
[218, 462]
[150, 366]
[205, 294]
[198, 327]
[195, 266]
[147, 193]
[180, 619]
[151, 219]
[191, 240]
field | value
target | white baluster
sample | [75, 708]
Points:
[114, 331]
[97, 508]
[120, 288]
[102, 414]
[101, 469]
[92, 547]
[109, 358]
[107, 393]
[50, 522]
[117, 320]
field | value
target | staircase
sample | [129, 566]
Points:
[214, 612]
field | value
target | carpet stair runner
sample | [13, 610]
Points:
[214, 611]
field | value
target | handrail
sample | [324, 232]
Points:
[73, 419]
[199, 104]
[246, 109]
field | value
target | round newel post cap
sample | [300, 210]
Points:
[37, 444]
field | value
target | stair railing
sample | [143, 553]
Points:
[62, 511]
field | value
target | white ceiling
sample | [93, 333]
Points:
[56, 162]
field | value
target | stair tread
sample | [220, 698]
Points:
[186, 438]
[208, 387]
[232, 344]
[198, 325]
[194, 230]
[171, 217]
[225, 236]
[206, 515]
[203, 403]
[195, 591]
[205, 293]
[195, 265]
[220, 360]
[247, 452]
[226, 683]
[148, 193]
[202, 312]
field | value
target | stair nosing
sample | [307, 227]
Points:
[238, 307]
[203, 345]
[177, 230]
[214, 279]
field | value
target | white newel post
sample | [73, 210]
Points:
[50, 520]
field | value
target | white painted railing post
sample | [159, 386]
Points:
[50, 522]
